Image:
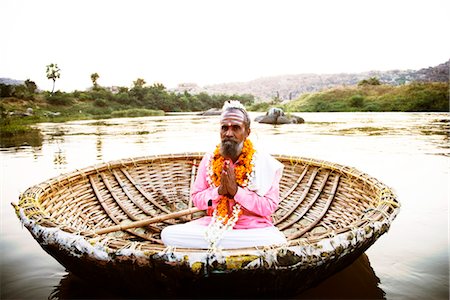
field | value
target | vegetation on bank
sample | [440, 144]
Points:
[22, 105]
[414, 97]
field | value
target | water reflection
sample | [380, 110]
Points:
[357, 281]
[59, 158]
[18, 142]
[99, 148]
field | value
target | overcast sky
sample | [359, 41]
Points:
[216, 41]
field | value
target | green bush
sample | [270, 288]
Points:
[357, 101]
[83, 96]
[322, 106]
[124, 98]
[370, 81]
[136, 112]
[6, 90]
[21, 92]
[59, 98]
[100, 103]
[372, 107]
[262, 106]
[101, 93]
[9, 130]
[95, 110]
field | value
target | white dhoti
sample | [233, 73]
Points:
[191, 235]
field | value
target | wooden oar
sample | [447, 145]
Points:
[145, 222]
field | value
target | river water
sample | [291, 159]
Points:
[409, 152]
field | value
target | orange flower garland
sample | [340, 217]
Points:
[243, 168]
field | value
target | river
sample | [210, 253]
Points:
[409, 152]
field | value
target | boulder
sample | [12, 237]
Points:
[211, 112]
[276, 116]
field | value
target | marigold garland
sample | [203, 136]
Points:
[243, 170]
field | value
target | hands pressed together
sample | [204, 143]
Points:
[228, 185]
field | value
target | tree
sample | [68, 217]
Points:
[276, 100]
[94, 77]
[53, 74]
[6, 90]
[139, 83]
[138, 91]
[158, 86]
[370, 81]
[31, 86]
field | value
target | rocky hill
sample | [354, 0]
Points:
[9, 81]
[439, 73]
[289, 87]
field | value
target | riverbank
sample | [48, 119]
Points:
[21, 106]
[414, 97]
[19, 114]
[19, 111]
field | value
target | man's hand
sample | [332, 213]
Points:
[228, 185]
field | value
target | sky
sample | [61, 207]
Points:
[216, 41]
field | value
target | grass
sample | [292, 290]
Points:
[413, 97]
[136, 112]
[12, 135]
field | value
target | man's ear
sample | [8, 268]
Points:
[248, 132]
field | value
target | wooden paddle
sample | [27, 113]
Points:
[148, 221]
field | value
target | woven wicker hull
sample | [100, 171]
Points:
[330, 214]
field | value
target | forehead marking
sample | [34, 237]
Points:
[232, 118]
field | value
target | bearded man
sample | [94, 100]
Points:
[238, 186]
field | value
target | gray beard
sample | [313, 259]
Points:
[231, 149]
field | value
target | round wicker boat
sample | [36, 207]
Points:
[88, 220]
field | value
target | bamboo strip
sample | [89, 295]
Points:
[111, 215]
[138, 187]
[100, 198]
[116, 198]
[302, 197]
[296, 183]
[127, 192]
[121, 204]
[193, 174]
[324, 211]
[307, 208]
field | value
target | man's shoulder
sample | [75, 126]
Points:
[207, 159]
[208, 155]
[263, 157]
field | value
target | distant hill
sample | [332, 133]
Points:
[439, 73]
[9, 81]
[289, 87]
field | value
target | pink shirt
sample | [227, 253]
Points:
[256, 210]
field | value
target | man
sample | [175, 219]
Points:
[238, 186]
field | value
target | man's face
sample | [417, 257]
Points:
[232, 133]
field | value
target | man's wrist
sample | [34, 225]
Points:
[238, 195]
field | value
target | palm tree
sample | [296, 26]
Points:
[139, 83]
[94, 77]
[53, 74]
